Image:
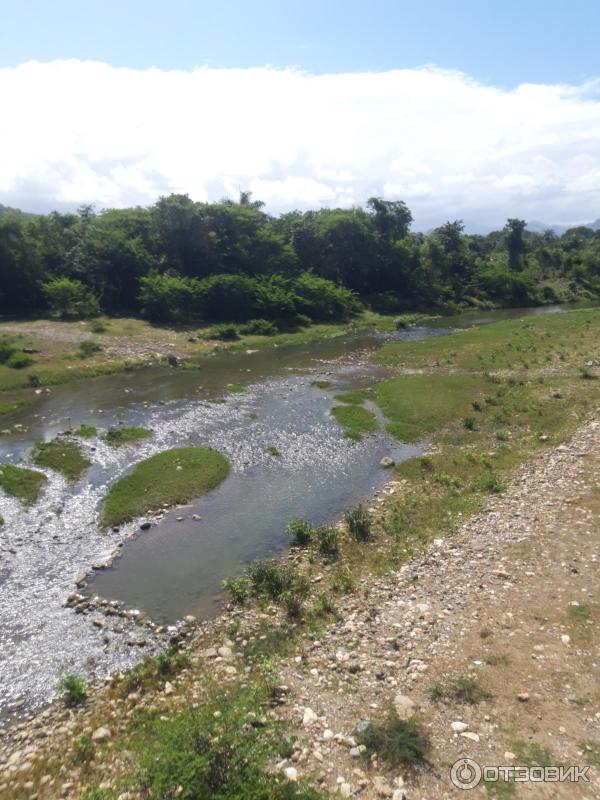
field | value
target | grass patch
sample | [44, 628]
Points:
[120, 435]
[356, 420]
[154, 671]
[25, 484]
[358, 521]
[418, 405]
[398, 742]
[86, 431]
[166, 479]
[579, 613]
[73, 689]
[321, 384]
[354, 398]
[458, 690]
[220, 751]
[274, 580]
[61, 455]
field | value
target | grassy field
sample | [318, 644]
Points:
[483, 423]
[356, 420]
[166, 479]
[25, 484]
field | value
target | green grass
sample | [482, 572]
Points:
[25, 484]
[321, 384]
[419, 405]
[85, 431]
[460, 689]
[397, 742]
[215, 752]
[73, 689]
[356, 397]
[510, 344]
[10, 406]
[356, 420]
[166, 479]
[122, 435]
[61, 455]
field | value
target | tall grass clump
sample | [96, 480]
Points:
[358, 521]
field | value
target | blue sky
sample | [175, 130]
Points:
[472, 110]
[503, 42]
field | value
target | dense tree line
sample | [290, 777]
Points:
[182, 261]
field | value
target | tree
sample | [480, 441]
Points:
[392, 217]
[69, 299]
[515, 241]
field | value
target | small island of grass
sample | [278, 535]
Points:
[166, 479]
[356, 420]
[121, 435]
[63, 455]
[85, 431]
[24, 484]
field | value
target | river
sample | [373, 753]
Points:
[177, 566]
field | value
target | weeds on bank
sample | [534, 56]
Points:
[220, 750]
[74, 689]
[459, 690]
[154, 671]
[120, 435]
[399, 743]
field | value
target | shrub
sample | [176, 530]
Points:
[19, 361]
[358, 521]
[302, 532]
[238, 588]
[84, 750]
[273, 580]
[70, 299]
[169, 298]
[460, 689]
[399, 743]
[227, 332]
[7, 349]
[489, 482]
[74, 689]
[89, 348]
[469, 423]
[293, 605]
[98, 326]
[325, 605]
[327, 540]
[260, 327]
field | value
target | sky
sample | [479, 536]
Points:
[473, 110]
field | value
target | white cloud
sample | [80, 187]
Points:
[74, 132]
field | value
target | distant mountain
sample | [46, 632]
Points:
[4, 210]
[540, 227]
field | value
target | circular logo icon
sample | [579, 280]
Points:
[465, 773]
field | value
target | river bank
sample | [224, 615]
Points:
[471, 468]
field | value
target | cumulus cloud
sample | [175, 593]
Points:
[74, 132]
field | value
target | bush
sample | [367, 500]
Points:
[399, 743]
[7, 349]
[98, 326]
[328, 542]
[490, 483]
[169, 298]
[272, 579]
[89, 348]
[227, 332]
[69, 299]
[302, 532]
[260, 327]
[292, 604]
[469, 423]
[460, 689]
[74, 689]
[19, 361]
[238, 588]
[358, 521]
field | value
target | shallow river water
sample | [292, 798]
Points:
[177, 566]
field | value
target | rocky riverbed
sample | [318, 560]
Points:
[492, 602]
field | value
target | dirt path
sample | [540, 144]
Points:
[510, 602]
